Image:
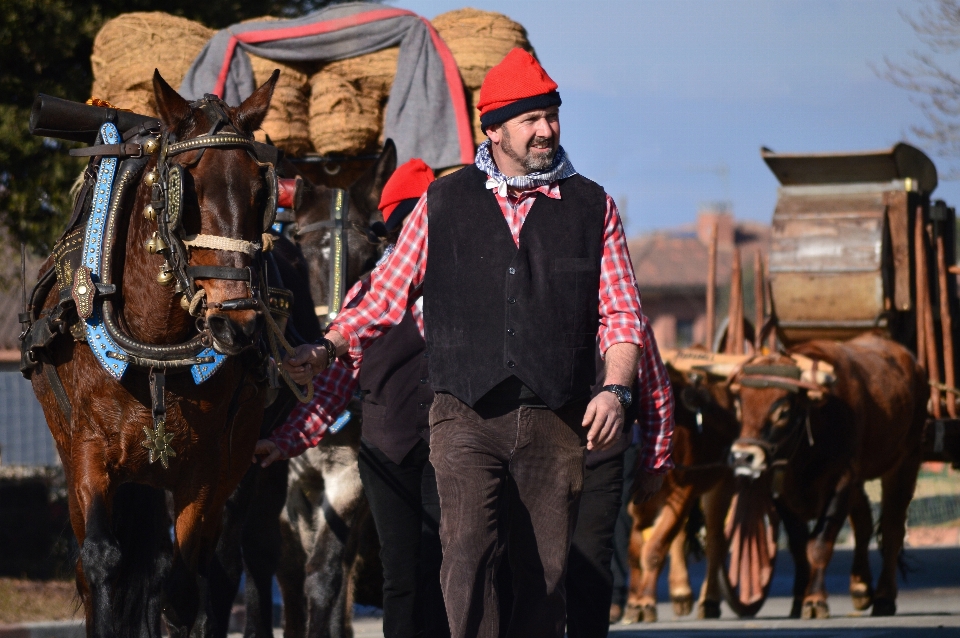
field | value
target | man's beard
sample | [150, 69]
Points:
[531, 162]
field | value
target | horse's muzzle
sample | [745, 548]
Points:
[747, 459]
[230, 336]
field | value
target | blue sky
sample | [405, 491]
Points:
[660, 94]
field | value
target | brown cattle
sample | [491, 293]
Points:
[699, 453]
[811, 445]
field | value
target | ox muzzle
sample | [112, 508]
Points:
[748, 459]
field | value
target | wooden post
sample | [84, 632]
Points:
[918, 269]
[926, 314]
[758, 298]
[711, 327]
[735, 314]
[946, 329]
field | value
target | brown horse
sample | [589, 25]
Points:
[700, 453]
[126, 576]
[811, 445]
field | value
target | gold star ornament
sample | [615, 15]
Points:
[158, 443]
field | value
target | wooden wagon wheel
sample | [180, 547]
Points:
[750, 531]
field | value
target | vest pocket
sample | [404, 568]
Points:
[579, 339]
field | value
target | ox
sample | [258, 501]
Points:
[810, 442]
[706, 426]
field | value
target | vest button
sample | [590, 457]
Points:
[511, 364]
[511, 300]
[423, 405]
[511, 332]
[512, 270]
[424, 380]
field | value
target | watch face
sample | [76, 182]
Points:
[627, 397]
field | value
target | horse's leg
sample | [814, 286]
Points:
[715, 504]
[327, 583]
[290, 578]
[861, 520]
[678, 577]
[261, 547]
[897, 485]
[100, 555]
[668, 523]
[226, 567]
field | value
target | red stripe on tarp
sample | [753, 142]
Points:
[450, 69]
[457, 97]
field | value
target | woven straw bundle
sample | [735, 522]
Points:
[128, 48]
[479, 40]
[348, 100]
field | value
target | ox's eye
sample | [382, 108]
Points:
[780, 416]
[739, 410]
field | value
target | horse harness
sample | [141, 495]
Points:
[84, 265]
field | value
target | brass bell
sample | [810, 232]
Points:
[150, 213]
[151, 177]
[184, 302]
[151, 245]
[151, 146]
[165, 278]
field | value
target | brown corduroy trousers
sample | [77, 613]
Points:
[507, 478]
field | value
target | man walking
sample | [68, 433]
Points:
[528, 268]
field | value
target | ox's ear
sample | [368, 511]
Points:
[367, 190]
[249, 115]
[171, 107]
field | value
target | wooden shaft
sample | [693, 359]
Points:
[711, 327]
[946, 328]
[758, 299]
[930, 338]
[735, 312]
[918, 262]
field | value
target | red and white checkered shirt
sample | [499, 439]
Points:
[399, 280]
[655, 402]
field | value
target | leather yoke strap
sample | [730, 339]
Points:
[109, 150]
[50, 371]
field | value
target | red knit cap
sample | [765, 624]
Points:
[517, 85]
[409, 181]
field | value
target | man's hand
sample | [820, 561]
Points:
[645, 485]
[267, 449]
[306, 361]
[604, 417]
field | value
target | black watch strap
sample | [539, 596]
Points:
[622, 393]
[331, 350]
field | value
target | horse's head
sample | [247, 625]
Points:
[773, 405]
[217, 199]
[316, 230]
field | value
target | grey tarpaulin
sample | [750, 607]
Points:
[426, 112]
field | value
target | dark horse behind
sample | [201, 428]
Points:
[176, 292]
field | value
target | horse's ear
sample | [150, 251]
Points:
[250, 114]
[171, 107]
[369, 187]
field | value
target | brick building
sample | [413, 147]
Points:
[671, 267]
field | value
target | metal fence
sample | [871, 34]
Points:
[24, 437]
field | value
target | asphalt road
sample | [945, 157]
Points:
[928, 605]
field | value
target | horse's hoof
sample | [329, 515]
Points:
[708, 609]
[862, 596]
[631, 615]
[616, 613]
[649, 613]
[682, 604]
[815, 610]
[884, 607]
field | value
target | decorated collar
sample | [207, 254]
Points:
[562, 168]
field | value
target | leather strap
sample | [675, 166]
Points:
[50, 371]
[219, 272]
[109, 150]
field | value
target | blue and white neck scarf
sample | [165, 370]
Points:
[562, 168]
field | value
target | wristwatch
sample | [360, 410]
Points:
[624, 396]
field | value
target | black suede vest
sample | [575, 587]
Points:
[396, 390]
[492, 310]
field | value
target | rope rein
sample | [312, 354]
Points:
[216, 242]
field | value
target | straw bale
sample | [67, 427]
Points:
[288, 121]
[479, 40]
[348, 102]
[128, 48]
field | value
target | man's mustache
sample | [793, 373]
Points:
[542, 142]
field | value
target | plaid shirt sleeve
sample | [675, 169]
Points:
[393, 285]
[620, 315]
[655, 400]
